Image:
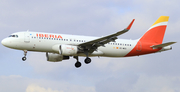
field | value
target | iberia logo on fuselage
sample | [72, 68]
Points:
[49, 36]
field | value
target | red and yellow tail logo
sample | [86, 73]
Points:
[155, 33]
[161, 21]
[153, 36]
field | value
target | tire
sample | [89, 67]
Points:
[87, 60]
[24, 58]
[78, 64]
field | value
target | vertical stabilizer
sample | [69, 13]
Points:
[155, 33]
[151, 39]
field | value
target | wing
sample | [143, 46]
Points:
[92, 45]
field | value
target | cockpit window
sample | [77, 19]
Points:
[14, 36]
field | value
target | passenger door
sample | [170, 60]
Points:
[26, 37]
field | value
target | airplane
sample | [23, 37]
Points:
[60, 47]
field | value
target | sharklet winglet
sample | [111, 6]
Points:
[129, 27]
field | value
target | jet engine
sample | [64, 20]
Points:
[68, 50]
[53, 57]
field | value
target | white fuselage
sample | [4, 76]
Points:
[44, 42]
[60, 47]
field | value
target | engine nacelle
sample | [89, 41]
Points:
[55, 57]
[68, 50]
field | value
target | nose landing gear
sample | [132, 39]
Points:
[25, 53]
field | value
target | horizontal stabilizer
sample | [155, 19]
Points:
[162, 45]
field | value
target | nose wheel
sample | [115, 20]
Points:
[25, 53]
[24, 58]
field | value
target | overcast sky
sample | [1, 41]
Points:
[158, 72]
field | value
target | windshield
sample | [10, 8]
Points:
[14, 36]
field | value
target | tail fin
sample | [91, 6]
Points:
[155, 33]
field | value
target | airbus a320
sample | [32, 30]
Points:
[60, 47]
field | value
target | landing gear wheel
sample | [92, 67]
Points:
[78, 64]
[87, 60]
[25, 53]
[24, 58]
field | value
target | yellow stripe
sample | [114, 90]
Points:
[161, 19]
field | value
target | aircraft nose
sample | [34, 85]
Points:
[4, 42]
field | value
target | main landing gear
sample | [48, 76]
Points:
[78, 64]
[87, 60]
[25, 53]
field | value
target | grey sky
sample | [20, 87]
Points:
[149, 73]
